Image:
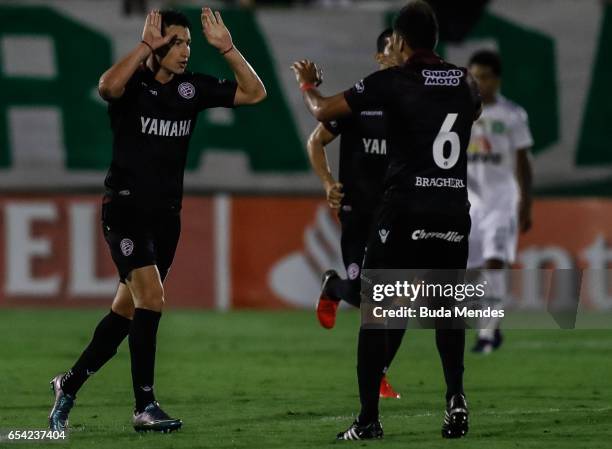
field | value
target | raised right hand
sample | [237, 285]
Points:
[151, 32]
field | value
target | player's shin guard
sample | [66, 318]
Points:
[451, 347]
[143, 336]
[107, 337]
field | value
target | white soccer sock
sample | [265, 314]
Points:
[497, 293]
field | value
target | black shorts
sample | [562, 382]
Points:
[434, 245]
[403, 239]
[138, 238]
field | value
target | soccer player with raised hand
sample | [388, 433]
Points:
[430, 106]
[153, 104]
[355, 195]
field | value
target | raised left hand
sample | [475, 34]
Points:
[215, 31]
[307, 72]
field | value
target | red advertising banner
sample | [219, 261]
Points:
[281, 246]
[52, 253]
[271, 266]
[569, 234]
[247, 252]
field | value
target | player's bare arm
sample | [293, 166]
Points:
[324, 109]
[250, 89]
[112, 82]
[319, 138]
[524, 179]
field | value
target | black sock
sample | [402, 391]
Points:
[107, 337]
[143, 336]
[344, 289]
[351, 291]
[333, 289]
[451, 346]
[371, 356]
[394, 340]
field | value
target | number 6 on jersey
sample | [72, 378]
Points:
[446, 135]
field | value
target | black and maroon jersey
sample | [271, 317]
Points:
[430, 106]
[363, 157]
[152, 124]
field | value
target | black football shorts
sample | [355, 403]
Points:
[138, 238]
[401, 238]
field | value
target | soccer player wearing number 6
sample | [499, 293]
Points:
[153, 106]
[499, 186]
[430, 106]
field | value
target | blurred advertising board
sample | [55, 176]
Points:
[52, 253]
[259, 252]
[54, 130]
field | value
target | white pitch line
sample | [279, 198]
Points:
[486, 412]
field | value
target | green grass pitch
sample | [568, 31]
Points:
[277, 380]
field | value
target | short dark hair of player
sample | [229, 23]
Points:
[172, 17]
[487, 58]
[381, 41]
[417, 24]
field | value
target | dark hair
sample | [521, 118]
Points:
[173, 17]
[417, 24]
[488, 58]
[381, 40]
